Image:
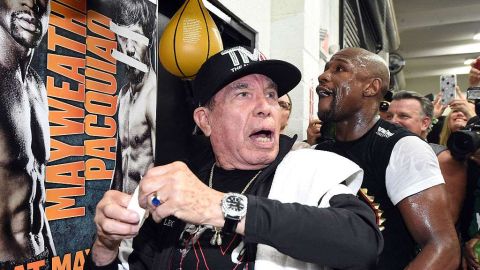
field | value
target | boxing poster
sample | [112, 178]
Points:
[78, 91]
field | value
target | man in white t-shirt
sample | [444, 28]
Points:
[402, 175]
[415, 112]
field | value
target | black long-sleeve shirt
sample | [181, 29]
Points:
[342, 236]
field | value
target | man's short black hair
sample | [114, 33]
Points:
[143, 12]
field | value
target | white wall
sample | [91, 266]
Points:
[256, 14]
[290, 30]
[426, 85]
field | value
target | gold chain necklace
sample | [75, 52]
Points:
[210, 181]
[217, 236]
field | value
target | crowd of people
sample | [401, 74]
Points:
[374, 195]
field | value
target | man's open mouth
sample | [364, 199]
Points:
[263, 135]
[324, 92]
[28, 22]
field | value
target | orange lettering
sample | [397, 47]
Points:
[105, 82]
[60, 197]
[96, 170]
[100, 148]
[65, 92]
[79, 260]
[66, 173]
[93, 129]
[55, 40]
[36, 265]
[59, 150]
[65, 264]
[102, 47]
[61, 117]
[99, 24]
[99, 103]
[68, 17]
[66, 66]
[101, 65]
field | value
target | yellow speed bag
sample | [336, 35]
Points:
[188, 40]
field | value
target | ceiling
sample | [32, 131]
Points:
[436, 37]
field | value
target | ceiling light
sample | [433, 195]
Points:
[217, 12]
[477, 36]
[468, 61]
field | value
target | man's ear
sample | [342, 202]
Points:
[373, 88]
[426, 122]
[200, 116]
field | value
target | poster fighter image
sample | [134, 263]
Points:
[134, 25]
[24, 135]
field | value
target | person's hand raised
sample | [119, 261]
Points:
[438, 107]
[461, 104]
[474, 75]
[313, 131]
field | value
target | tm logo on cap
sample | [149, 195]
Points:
[245, 57]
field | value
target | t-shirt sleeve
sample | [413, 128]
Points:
[413, 167]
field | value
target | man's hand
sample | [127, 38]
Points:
[470, 255]
[181, 195]
[114, 223]
[474, 75]
[313, 131]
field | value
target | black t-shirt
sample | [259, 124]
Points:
[200, 254]
[372, 153]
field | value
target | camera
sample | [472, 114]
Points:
[467, 140]
[384, 106]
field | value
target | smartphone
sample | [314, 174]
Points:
[473, 93]
[447, 86]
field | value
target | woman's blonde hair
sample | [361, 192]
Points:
[446, 131]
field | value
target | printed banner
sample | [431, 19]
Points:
[78, 94]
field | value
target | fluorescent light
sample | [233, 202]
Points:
[477, 36]
[468, 61]
[217, 11]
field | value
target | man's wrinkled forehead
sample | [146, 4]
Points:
[246, 82]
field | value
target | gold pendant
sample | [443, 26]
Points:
[216, 238]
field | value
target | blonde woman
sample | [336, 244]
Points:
[455, 121]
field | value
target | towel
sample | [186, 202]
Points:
[308, 177]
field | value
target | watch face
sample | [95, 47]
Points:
[235, 205]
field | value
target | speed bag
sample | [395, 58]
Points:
[188, 40]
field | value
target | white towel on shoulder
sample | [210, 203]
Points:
[307, 176]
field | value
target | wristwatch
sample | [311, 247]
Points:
[234, 208]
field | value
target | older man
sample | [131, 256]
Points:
[24, 135]
[222, 218]
[415, 112]
[401, 171]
